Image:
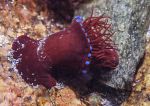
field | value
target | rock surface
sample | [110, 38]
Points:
[130, 20]
[141, 85]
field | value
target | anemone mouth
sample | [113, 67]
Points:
[99, 35]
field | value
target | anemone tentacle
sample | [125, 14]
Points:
[100, 34]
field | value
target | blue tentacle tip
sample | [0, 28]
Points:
[89, 55]
[87, 62]
[79, 19]
[91, 48]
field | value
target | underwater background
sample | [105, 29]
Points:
[127, 85]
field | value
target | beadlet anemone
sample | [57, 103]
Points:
[79, 49]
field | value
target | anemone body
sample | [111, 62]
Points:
[78, 49]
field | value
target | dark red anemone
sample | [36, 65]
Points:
[66, 53]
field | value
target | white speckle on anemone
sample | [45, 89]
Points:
[59, 85]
